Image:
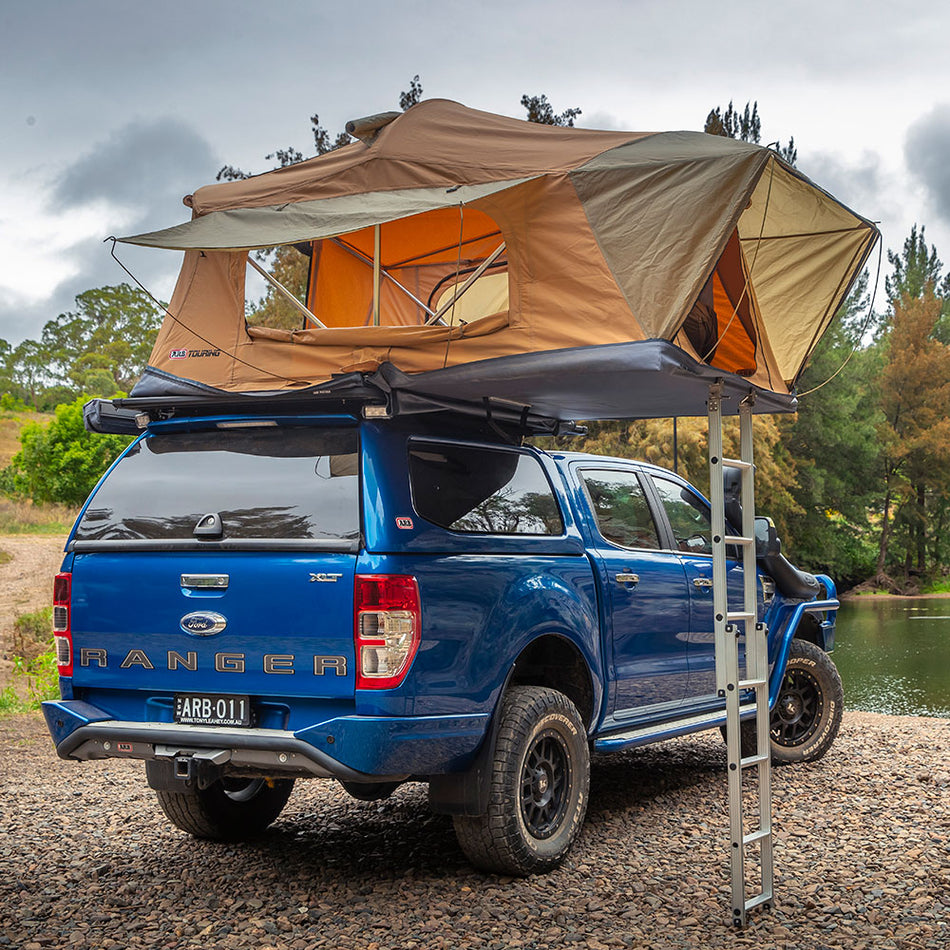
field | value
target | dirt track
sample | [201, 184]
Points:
[862, 859]
[26, 584]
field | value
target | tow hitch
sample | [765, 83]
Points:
[185, 771]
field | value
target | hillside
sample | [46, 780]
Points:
[11, 421]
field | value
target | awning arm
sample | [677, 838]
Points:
[485, 264]
[281, 289]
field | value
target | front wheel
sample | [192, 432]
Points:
[539, 784]
[807, 714]
[805, 720]
[231, 809]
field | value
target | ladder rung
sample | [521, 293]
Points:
[751, 760]
[738, 463]
[752, 684]
[758, 900]
[740, 615]
[757, 836]
[735, 539]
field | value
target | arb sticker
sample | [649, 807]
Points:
[404, 523]
[192, 354]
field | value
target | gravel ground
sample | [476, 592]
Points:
[862, 859]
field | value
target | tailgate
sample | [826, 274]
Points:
[220, 559]
[257, 623]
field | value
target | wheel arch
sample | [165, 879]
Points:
[554, 661]
[550, 659]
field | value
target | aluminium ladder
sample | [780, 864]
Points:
[730, 622]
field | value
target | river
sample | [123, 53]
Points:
[894, 655]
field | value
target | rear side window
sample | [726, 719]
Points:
[482, 490]
[276, 483]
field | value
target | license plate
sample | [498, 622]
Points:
[212, 709]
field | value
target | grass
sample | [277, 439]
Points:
[19, 516]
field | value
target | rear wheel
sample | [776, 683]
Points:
[231, 809]
[539, 784]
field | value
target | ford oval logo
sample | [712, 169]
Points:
[203, 623]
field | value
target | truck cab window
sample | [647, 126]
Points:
[688, 516]
[621, 509]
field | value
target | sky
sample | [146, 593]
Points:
[112, 110]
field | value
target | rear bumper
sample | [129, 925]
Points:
[349, 748]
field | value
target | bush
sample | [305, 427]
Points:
[60, 462]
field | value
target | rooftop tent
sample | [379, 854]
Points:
[459, 254]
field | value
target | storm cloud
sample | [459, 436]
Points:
[132, 180]
[146, 166]
[927, 153]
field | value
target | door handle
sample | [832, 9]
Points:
[704, 583]
[627, 578]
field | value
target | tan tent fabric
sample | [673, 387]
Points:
[609, 237]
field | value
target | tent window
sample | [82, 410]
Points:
[489, 294]
[721, 326]
[264, 306]
[423, 258]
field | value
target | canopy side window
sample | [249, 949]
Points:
[475, 489]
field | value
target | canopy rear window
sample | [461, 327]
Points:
[282, 485]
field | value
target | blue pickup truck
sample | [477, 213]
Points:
[250, 599]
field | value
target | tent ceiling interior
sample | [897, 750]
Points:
[462, 255]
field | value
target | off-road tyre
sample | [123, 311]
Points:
[807, 714]
[539, 786]
[232, 809]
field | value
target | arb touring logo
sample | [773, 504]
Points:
[192, 354]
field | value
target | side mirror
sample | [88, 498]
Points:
[732, 490]
[766, 539]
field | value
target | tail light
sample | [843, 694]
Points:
[62, 623]
[387, 629]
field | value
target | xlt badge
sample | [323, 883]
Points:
[203, 623]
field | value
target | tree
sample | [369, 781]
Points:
[110, 334]
[833, 440]
[412, 96]
[913, 269]
[541, 111]
[914, 389]
[61, 462]
[28, 371]
[745, 126]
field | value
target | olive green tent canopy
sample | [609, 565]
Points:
[445, 237]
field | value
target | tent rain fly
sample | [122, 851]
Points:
[462, 255]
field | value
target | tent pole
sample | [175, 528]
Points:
[281, 289]
[360, 256]
[376, 243]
